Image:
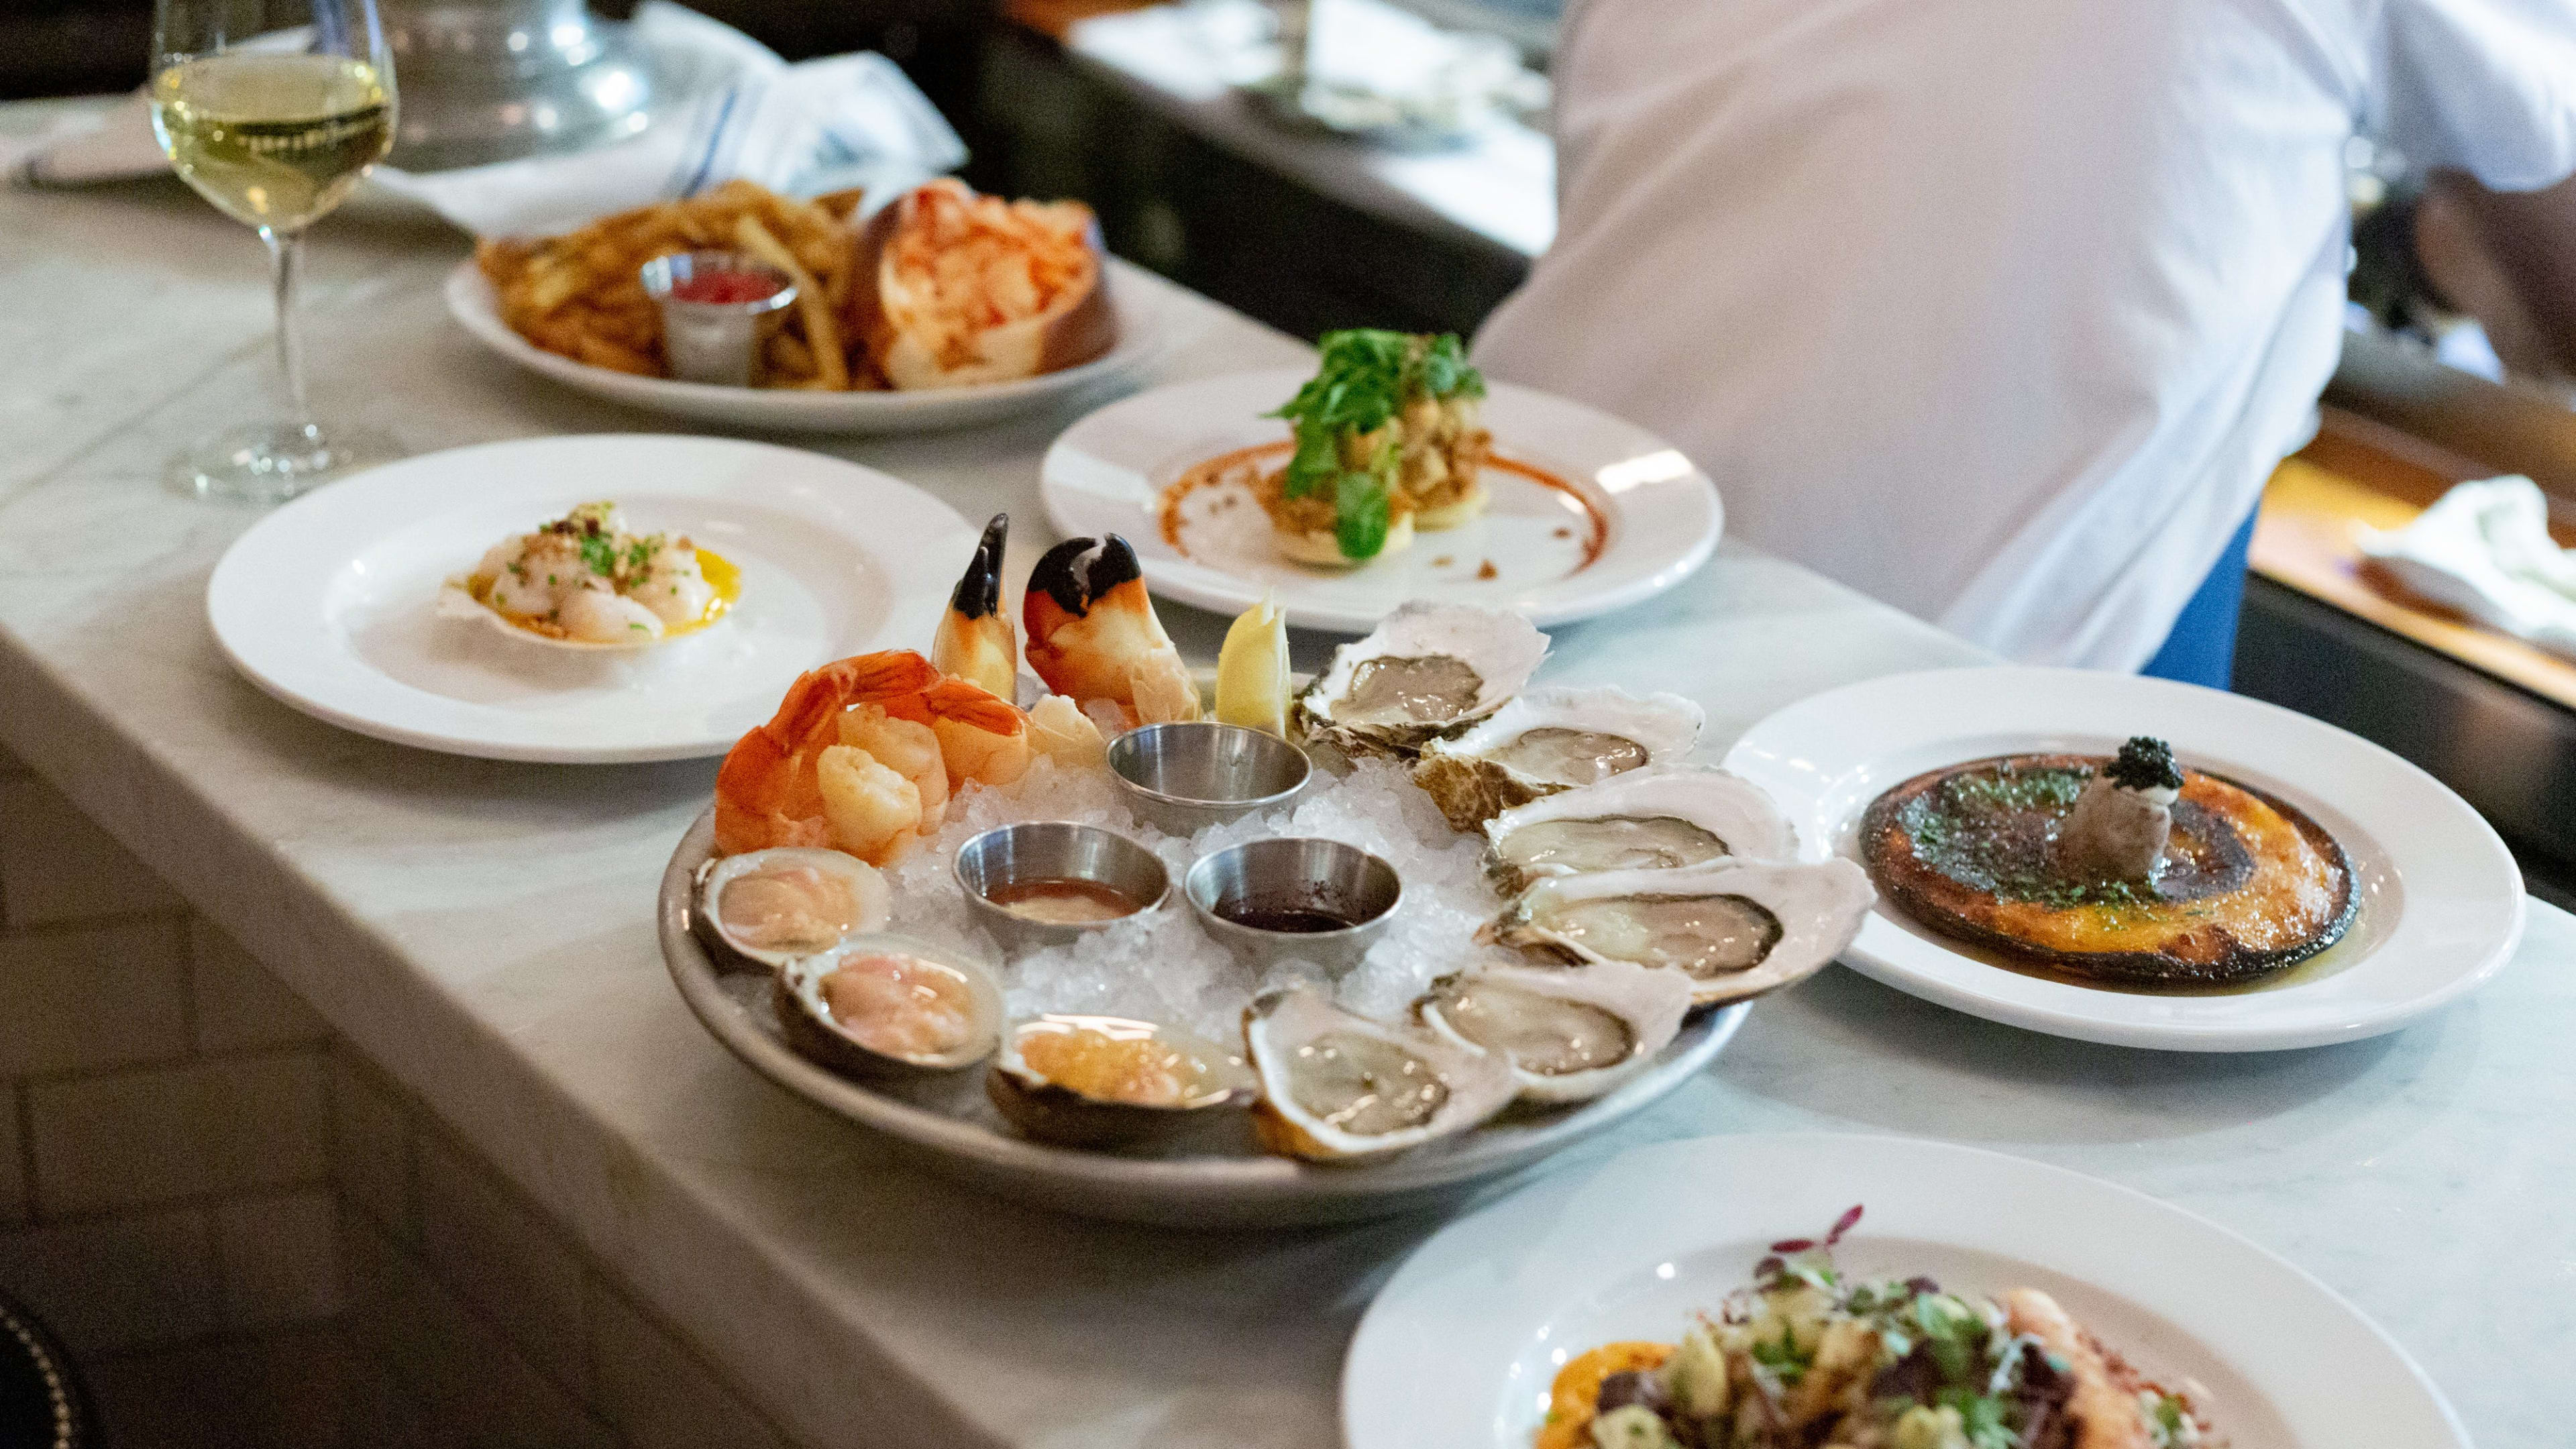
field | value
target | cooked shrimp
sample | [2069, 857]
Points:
[907, 747]
[771, 789]
[983, 738]
[872, 810]
[2106, 1415]
[1093, 634]
[975, 641]
[767, 793]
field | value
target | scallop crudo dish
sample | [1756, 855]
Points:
[1809, 1357]
[1568, 890]
[586, 580]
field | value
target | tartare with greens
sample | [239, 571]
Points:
[1389, 439]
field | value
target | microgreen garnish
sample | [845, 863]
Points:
[1361, 384]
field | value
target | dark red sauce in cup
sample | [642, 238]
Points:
[726, 288]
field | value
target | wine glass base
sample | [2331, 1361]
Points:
[272, 462]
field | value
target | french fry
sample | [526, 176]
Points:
[600, 352]
[822, 333]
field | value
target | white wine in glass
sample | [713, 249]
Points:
[273, 110]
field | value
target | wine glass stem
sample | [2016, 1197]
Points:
[285, 258]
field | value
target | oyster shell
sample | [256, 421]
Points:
[1571, 1034]
[1108, 1081]
[1550, 740]
[765, 908]
[889, 1005]
[1737, 928]
[1660, 817]
[1337, 1087]
[1428, 670]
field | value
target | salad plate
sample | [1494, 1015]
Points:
[1587, 513]
[332, 603]
[2440, 900]
[471, 301]
[1460, 1348]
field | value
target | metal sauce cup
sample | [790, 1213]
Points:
[1010, 855]
[1293, 873]
[711, 341]
[1187, 777]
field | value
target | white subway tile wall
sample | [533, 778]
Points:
[246, 1234]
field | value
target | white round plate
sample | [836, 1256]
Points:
[471, 302]
[2441, 899]
[1661, 517]
[330, 603]
[1461, 1345]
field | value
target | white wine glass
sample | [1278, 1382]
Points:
[272, 110]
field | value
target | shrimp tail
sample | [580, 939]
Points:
[975, 640]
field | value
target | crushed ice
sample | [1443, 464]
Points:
[1158, 965]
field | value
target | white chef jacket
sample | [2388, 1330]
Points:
[1999, 310]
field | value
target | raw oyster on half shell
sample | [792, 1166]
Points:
[1571, 1033]
[1736, 928]
[1428, 670]
[766, 908]
[1337, 1087]
[1550, 740]
[1660, 817]
[889, 1005]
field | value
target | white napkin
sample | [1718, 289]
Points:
[2485, 550]
[734, 110]
[1200, 49]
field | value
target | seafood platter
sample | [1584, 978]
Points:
[1392, 472]
[939, 308]
[1128, 941]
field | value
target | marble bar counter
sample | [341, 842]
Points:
[483, 932]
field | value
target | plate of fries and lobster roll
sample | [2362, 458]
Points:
[942, 308]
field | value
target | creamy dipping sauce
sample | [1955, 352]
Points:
[1064, 902]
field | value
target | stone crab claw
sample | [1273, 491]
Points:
[976, 642]
[1093, 635]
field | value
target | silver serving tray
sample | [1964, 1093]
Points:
[947, 1126]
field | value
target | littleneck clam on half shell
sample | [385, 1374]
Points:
[1549, 740]
[1337, 1087]
[1661, 817]
[1737, 928]
[1571, 1033]
[887, 1005]
[1108, 1081]
[769, 907]
[1428, 670]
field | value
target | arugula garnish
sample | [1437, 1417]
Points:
[1362, 383]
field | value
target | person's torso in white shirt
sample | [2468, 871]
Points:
[1999, 310]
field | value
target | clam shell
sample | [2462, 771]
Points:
[737, 943]
[1740, 814]
[1472, 779]
[1470, 1085]
[1649, 1003]
[1814, 909]
[1501, 647]
[810, 1027]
